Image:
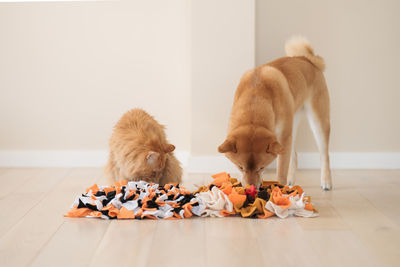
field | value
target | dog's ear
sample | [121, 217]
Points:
[152, 157]
[274, 148]
[228, 146]
[168, 148]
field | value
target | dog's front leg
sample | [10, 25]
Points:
[284, 159]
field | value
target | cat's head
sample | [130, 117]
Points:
[148, 165]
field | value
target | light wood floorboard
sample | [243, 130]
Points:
[25, 195]
[359, 225]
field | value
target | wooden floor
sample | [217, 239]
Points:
[359, 225]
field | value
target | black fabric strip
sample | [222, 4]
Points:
[249, 200]
[100, 193]
[263, 195]
[105, 212]
[186, 199]
[92, 207]
[131, 197]
[178, 209]
[152, 204]
[111, 194]
[81, 205]
[105, 202]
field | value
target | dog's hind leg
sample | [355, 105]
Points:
[293, 155]
[317, 111]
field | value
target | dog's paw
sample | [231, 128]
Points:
[326, 186]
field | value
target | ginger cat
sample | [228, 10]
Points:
[139, 150]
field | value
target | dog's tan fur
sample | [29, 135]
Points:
[267, 106]
[139, 150]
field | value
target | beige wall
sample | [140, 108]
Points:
[68, 71]
[222, 50]
[360, 41]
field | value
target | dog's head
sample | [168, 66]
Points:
[147, 164]
[251, 150]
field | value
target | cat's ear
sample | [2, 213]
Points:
[168, 148]
[152, 157]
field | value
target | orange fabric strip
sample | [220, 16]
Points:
[75, 212]
[124, 213]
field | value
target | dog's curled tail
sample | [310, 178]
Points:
[299, 46]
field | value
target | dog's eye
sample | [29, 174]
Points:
[240, 167]
[260, 169]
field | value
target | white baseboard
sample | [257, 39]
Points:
[194, 164]
[345, 160]
[53, 158]
[311, 160]
[63, 158]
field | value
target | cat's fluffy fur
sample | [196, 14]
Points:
[139, 150]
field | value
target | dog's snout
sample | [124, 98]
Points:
[251, 179]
